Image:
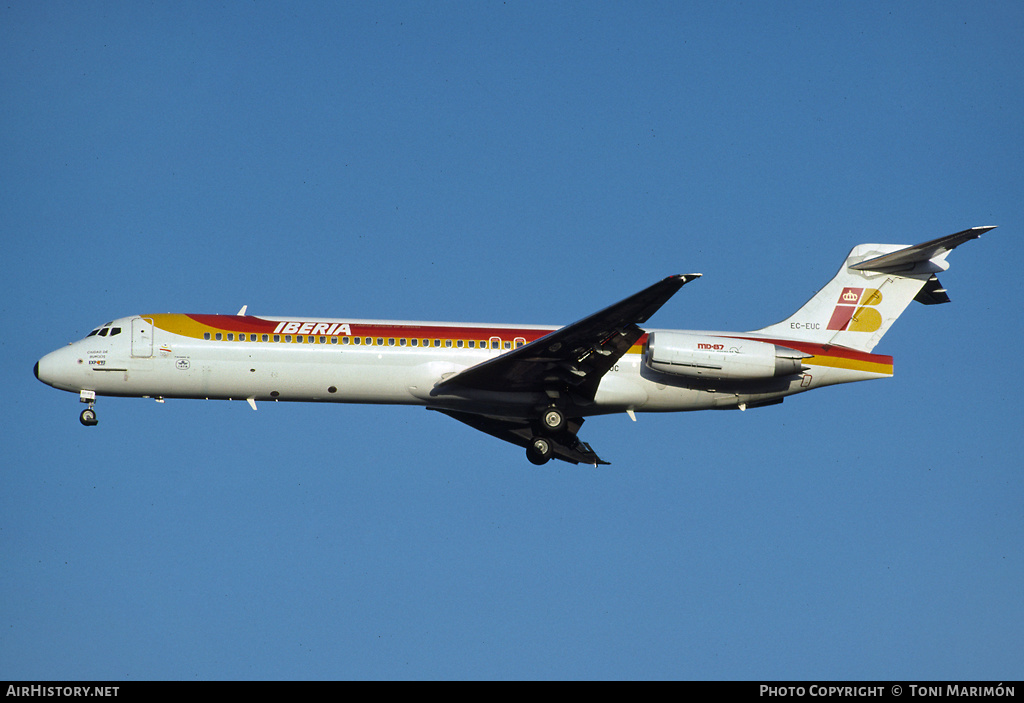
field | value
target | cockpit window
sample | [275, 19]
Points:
[105, 330]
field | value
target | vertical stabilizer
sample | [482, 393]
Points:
[873, 287]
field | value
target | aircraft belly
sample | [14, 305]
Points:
[621, 391]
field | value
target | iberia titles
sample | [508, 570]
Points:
[314, 328]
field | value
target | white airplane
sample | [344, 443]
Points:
[526, 384]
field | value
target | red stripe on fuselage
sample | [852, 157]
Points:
[248, 323]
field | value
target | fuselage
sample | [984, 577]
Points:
[239, 357]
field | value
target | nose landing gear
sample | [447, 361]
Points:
[88, 416]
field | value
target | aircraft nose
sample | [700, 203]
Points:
[42, 374]
[51, 369]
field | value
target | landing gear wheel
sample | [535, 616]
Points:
[553, 420]
[539, 451]
[88, 417]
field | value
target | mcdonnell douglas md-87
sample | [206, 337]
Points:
[526, 384]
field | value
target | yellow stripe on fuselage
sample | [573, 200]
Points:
[181, 325]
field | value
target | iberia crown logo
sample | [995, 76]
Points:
[857, 311]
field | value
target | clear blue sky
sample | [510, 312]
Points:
[510, 162]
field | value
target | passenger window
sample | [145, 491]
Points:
[265, 338]
[459, 344]
[206, 335]
[323, 340]
[391, 342]
[299, 339]
[277, 338]
[415, 342]
[380, 341]
[508, 345]
[448, 343]
[287, 338]
[252, 338]
[334, 340]
[220, 336]
[437, 342]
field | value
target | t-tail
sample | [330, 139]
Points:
[874, 286]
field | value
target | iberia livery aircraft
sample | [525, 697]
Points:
[528, 385]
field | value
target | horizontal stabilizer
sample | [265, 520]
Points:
[907, 257]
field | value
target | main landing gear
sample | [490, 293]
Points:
[88, 416]
[542, 447]
[552, 420]
[546, 433]
[539, 451]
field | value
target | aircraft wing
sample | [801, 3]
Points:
[575, 357]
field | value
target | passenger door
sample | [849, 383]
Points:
[142, 337]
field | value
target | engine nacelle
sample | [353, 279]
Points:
[701, 356]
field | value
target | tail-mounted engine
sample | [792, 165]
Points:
[701, 356]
